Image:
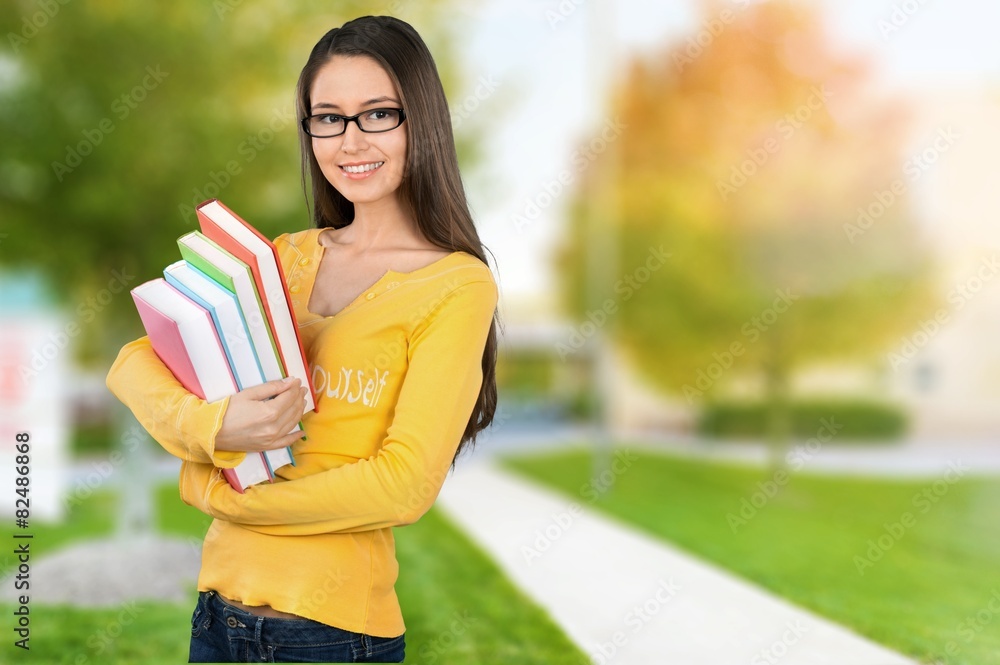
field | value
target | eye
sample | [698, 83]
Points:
[328, 119]
[380, 114]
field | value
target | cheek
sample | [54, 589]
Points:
[324, 151]
[326, 157]
[399, 155]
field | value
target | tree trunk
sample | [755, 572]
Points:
[778, 429]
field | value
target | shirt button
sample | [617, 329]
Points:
[370, 296]
[305, 262]
[293, 289]
[231, 622]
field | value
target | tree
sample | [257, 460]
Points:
[771, 172]
[119, 117]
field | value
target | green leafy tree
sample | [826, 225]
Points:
[749, 154]
[119, 117]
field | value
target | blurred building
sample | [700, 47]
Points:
[35, 355]
[948, 370]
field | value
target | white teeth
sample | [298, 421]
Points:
[362, 168]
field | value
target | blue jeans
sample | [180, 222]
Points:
[222, 633]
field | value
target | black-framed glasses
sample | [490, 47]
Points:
[373, 121]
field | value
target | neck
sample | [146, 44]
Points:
[383, 223]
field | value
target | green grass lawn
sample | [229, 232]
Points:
[457, 605]
[932, 577]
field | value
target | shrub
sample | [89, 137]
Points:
[861, 419]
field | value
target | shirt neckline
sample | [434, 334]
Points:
[363, 297]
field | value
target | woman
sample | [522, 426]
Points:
[396, 309]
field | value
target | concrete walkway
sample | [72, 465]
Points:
[627, 598]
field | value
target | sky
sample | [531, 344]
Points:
[546, 76]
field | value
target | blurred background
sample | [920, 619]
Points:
[740, 237]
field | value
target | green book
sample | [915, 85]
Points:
[235, 276]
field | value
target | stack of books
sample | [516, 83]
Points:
[221, 320]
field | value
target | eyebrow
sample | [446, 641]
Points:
[374, 100]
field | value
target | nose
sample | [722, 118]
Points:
[353, 139]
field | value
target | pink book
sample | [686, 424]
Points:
[184, 337]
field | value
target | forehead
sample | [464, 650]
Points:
[349, 81]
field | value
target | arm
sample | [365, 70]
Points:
[215, 434]
[400, 483]
[183, 424]
[191, 429]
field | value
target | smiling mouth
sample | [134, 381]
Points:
[362, 168]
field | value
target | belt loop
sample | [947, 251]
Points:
[262, 649]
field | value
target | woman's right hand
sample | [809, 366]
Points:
[255, 422]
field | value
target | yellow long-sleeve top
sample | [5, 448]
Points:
[397, 373]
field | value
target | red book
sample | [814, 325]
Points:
[247, 244]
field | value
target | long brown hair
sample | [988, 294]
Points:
[432, 185]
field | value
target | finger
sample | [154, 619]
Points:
[270, 389]
[291, 420]
[292, 402]
[284, 440]
[287, 403]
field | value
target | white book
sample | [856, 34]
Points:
[280, 457]
[252, 470]
[227, 316]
